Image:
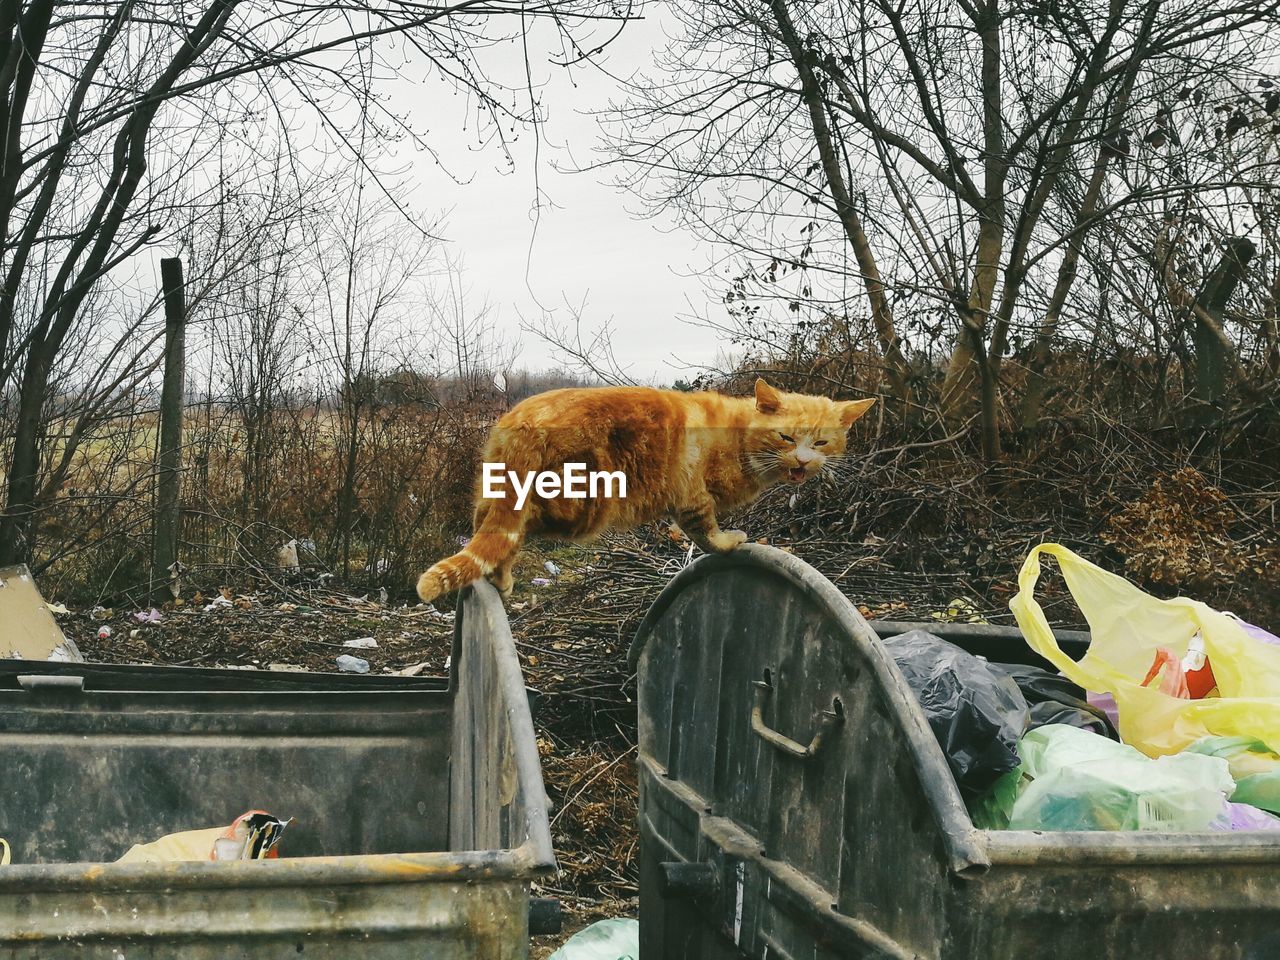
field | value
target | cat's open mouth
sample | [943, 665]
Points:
[797, 474]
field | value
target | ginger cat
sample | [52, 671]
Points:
[685, 456]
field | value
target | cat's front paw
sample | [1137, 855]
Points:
[727, 540]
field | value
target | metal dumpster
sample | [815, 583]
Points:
[419, 811]
[794, 803]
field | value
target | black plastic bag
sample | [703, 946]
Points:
[1055, 699]
[978, 714]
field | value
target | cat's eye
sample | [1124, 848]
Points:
[819, 443]
[786, 438]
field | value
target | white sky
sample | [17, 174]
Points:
[591, 245]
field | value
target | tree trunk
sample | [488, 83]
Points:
[969, 373]
[17, 526]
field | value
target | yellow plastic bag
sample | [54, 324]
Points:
[1127, 626]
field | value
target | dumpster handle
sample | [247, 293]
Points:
[826, 720]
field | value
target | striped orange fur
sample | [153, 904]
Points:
[686, 456]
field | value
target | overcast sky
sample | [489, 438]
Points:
[591, 245]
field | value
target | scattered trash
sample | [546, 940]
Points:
[285, 668]
[361, 643]
[100, 613]
[551, 568]
[151, 616]
[412, 671]
[540, 582]
[221, 602]
[1129, 630]
[287, 557]
[383, 596]
[1071, 779]
[104, 632]
[976, 713]
[378, 567]
[252, 836]
[349, 664]
[56, 609]
[959, 610]
[616, 939]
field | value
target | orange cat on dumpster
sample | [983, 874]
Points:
[570, 464]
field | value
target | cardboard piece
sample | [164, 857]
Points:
[27, 628]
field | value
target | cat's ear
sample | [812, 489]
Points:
[768, 400]
[851, 410]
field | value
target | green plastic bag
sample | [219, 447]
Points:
[1071, 779]
[1128, 627]
[617, 939]
[1254, 766]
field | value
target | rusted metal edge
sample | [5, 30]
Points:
[487, 605]
[468, 866]
[965, 847]
[1129, 847]
[800, 890]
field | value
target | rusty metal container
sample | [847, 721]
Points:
[419, 812]
[795, 804]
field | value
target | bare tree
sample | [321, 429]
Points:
[123, 120]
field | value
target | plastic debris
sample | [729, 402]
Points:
[349, 664]
[1071, 779]
[1254, 765]
[104, 632]
[1242, 816]
[252, 836]
[551, 568]
[220, 602]
[1055, 699]
[1128, 628]
[616, 939]
[361, 643]
[150, 616]
[976, 712]
[540, 582]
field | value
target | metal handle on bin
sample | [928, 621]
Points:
[691, 881]
[826, 721]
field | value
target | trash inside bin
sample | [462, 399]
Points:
[976, 712]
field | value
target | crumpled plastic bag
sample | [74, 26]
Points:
[1254, 765]
[977, 713]
[616, 939]
[1242, 816]
[1055, 699]
[1128, 627]
[1071, 779]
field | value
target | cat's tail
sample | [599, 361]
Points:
[496, 540]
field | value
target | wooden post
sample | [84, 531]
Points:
[169, 456]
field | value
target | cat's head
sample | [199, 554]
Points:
[793, 435]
